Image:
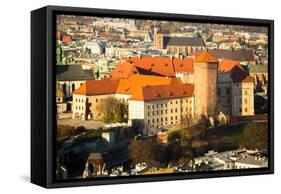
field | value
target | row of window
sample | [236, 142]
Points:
[245, 101]
[219, 91]
[162, 105]
[121, 99]
[161, 120]
[245, 110]
[79, 107]
[79, 100]
[160, 112]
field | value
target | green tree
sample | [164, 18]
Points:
[113, 110]
[148, 151]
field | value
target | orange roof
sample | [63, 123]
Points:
[133, 85]
[97, 87]
[173, 90]
[227, 65]
[206, 57]
[163, 66]
[140, 87]
[124, 71]
[159, 65]
[183, 65]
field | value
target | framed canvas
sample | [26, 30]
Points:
[126, 96]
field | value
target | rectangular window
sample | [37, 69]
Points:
[246, 110]
[245, 92]
[148, 107]
[246, 101]
[228, 91]
[219, 91]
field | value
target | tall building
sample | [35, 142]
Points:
[205, 84]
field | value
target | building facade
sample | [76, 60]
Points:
[179, 44]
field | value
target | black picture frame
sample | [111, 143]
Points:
[43, 112]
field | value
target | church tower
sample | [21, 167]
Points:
[205, 84]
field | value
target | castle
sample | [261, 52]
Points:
[163, 92]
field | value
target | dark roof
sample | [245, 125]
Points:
[237, 55]
[72, 73]
[238, 75]
[183, 41]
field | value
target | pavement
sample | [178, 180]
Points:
[89, 124]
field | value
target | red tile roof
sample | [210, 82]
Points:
[97, 87]
[173, 90]
[133, 85]
[140, 87]
[227, 65]
[124, 71]
[163, 66]
[160, 65]
[183, 65]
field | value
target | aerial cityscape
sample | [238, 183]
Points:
[142, 97]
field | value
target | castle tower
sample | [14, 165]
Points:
[205, 84]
